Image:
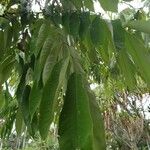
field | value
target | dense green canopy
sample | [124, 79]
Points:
[49, 58]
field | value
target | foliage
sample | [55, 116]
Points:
[48, 59]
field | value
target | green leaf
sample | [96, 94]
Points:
[140, 25]
[16, 27]
[84, 24]
[65, 21]
[98, 31]
[34, 99]
[89, 4]
[109, 5]
[19, 122]
[8, 33]
[140, 55]
[2, 100]
[74, 24]
[127, 69]
[25, 104]
[6, 70]
[77, 3]
[21, 84]
[50, 61]
[45, 51]
[95, 31]
[49, 100]
[99, 142]
[75, 124]
[101, 37]
[42, 35]
[1, 44]
[118, 34]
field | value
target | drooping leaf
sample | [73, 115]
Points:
[99, 31]
[49, 100]
[25, 104]
[99, 142]
[96, 31]
[22, 83]
[127, 69]
[84, 24]
[74, 24]
[1, 43]
[2, 100]
[75, 124]
[101, 37]
[140, 55]
[118, 34]
[34, 98]
[8, 33]
[42, 35]
[50, 62]
[65, 21]
[19, 122]
[7, 71]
